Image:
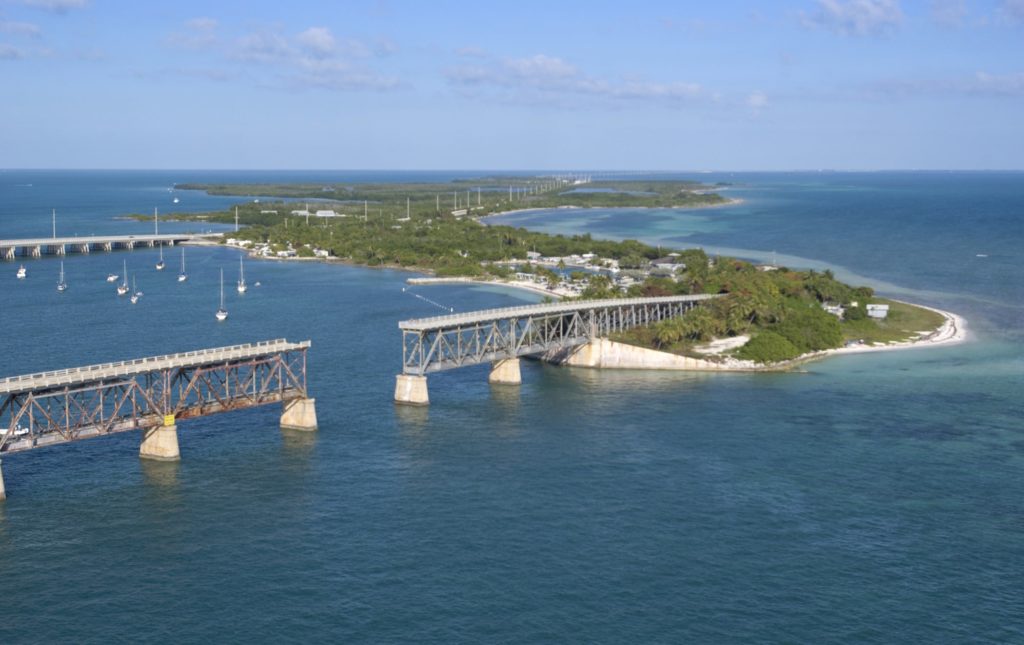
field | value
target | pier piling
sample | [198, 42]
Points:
[505, 372]
[160, 443]
[299, 414]
[411, 389]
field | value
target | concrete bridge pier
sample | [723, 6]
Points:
[299, 414]
[3, 493]
[505, 372]
[161, 442]
[37, 251]
[411, 389]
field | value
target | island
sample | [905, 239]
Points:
[769, 317]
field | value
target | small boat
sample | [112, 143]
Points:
[136, 294]
[242, 287]
[61, 285]
[182, 276]
[122, 288]
[222, 313]
[112, 277]
[156, 231]
[176, 200]
[21, 272]
[258, 283]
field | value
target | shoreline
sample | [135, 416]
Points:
[729, 201]
[952, 331]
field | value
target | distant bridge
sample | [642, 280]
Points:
[501, 336]
[152, 394]
[38, 247]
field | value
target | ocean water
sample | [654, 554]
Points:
[872, 498]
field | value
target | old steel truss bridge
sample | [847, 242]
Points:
[152, 394]
[501, 336]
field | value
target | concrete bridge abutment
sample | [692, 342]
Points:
[411, 389]
[505, 372]
[3, 492]
[299, 414]
[161, 442]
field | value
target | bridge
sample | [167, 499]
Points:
[501, 336]
[152, 395]
[38, 247]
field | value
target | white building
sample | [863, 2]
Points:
[878, 311]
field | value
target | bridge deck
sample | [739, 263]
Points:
[488, 315]
[93, 373]
[97, 239]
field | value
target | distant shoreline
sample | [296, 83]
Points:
[729, 201]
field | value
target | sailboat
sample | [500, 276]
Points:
[160, 265]
[242, 287]
[182, 276]
[61, 285]
[135, 292]
[21, 272]
[222, 313]
[123, 287]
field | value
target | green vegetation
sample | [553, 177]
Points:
[781, 309]
[904, 322]
[482, 196]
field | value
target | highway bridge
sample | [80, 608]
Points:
[38, 247]
[152, 394]
[501, 336]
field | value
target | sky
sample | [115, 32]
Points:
[387, 84]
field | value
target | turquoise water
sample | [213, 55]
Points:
[875, 498]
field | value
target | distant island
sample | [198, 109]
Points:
[769, 315]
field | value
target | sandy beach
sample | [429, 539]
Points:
[952, 331]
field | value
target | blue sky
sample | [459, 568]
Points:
[729, 85]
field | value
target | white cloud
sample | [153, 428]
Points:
[56, 6]
[949, 13]
[980, 84]
[262, 47]
[1012, 11]
[10, 52]
[542, 77]
[25, 29]
[319, 41]
[198, 33]
[855, 17]
[757, 102]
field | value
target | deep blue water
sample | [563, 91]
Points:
[875, 498]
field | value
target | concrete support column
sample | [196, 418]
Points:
[505, 372]
[299, 414]
[3, 493]
[411, 389]
[160, 443]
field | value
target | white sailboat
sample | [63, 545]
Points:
[156, 231]
[61, 285]
[122, 288]
[182, 276]
[222, 313]
[242, 287]
[21, 272]
[135, 292]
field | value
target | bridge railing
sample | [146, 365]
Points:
[446, 342]
[148, 391]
